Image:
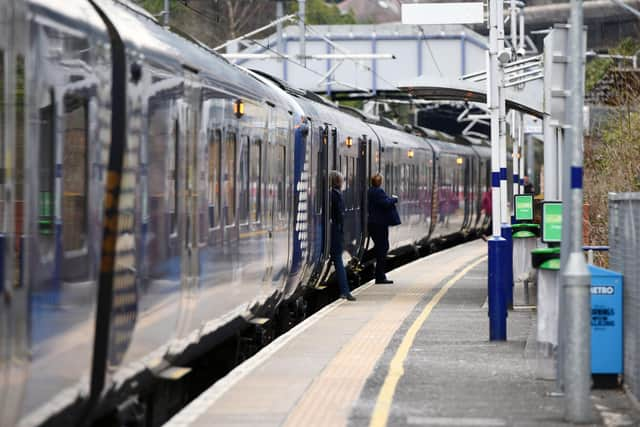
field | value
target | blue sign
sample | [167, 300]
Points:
[606, 321]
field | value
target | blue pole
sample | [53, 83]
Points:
[497, 302]
[507, 265]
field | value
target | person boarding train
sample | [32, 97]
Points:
[337, 234]
[382, 214]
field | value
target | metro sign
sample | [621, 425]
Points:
[442, 13]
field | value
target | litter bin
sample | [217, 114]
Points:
[525, 240]
[547, 261]
[606, 326]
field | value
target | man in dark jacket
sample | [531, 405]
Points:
[380, 217]
[337, 234]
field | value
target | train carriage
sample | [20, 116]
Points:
[221, 182]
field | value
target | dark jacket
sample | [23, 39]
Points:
[337, 207]
[380, 206]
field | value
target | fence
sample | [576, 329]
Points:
[624, 257]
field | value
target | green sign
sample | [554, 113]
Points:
[551, 222]
[524, 207]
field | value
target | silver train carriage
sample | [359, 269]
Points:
[156, 198]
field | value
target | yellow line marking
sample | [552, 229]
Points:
[380, 415]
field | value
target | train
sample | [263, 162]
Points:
[156, 198]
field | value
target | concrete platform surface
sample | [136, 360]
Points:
[415, 353]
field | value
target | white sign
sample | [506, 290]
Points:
[442, 13]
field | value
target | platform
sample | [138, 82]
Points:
[412, 353]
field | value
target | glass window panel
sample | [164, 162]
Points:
[46, 166]
[74, 176]
[244, 181]
[172, 176]
[229, 179]
[255, 161]
[213, 193]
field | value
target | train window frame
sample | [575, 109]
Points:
[85, 102]
[255, 142]
[174, 177]
[47, 157]
[214, 143]
[231, 138]
[244, 181]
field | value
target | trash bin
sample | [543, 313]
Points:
[525, 240]
[606, 326]
[547, 261]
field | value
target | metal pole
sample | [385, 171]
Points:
[521, 153]
[522, 34]
[165, 13]
[302, 30]
[576, 278]
[496, 245]
[514, 25]
[279, 14]
[550, 152]
[505, 226]
[530, 158]
[515, 149]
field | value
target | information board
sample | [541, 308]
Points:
[551, 222]
[523, 207]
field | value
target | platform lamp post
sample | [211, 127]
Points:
[473, 13]
[576, 279]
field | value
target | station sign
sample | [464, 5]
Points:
[523, 207]
[551, 222]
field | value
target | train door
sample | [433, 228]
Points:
[13, 306]
[322, 187]
[185, 161]
[364, 165]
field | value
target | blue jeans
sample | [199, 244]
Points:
[337, 238]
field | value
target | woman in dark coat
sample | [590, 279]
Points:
[337, 234]
[380, 217]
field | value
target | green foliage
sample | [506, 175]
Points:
[156, 6]
[595, 71]
[598, 67]
[320, 13]
[611, 164]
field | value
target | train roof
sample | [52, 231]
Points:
[141, 32]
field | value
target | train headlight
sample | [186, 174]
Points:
[459, 160]
[238, 108]
[410, 154]
[349, 141]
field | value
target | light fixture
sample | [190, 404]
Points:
[410, 154]
[238, 108]
[459, 160]
[349, 141]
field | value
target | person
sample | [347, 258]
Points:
[486, 208]
[380, 213]
[337, 234]
[528, 185]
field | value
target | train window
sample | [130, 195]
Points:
[244, 181]
[213, 179]
[2, 170]
[74, 176]
[320, 170]
[46, 165]
[173, 177]
[229, 179]
[279, 161]
[255, 172]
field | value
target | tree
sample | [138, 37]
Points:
[320, 13]
[215, 21]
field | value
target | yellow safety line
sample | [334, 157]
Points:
[380, 415]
